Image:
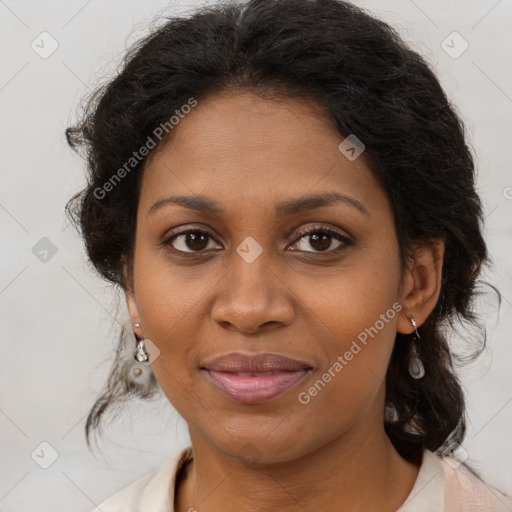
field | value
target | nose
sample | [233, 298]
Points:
[253, 297]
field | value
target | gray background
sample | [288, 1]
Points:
[59, 321]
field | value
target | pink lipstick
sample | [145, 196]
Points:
[255, 378]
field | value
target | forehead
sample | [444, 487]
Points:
[241, 148]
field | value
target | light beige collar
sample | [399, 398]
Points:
[427, 494]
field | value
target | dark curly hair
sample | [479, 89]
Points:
[370, 83]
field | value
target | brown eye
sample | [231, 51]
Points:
[189, 241]
[321, 240]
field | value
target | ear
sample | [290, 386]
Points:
[421, 284]
[129, 292]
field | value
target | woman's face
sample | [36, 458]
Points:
[255, 283]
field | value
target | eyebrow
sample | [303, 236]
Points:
[290, 207]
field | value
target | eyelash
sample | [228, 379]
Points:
[303, 232]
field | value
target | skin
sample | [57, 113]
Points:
[294, 299]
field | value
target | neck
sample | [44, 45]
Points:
[357, 471]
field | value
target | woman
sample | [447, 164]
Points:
[285, 195]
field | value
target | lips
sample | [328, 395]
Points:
[238, 362]
[254, 378]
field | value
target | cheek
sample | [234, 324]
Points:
[174, 302]
[166, 302]
[346, 301]
[356, 313]
[357, 346]
[166, 292]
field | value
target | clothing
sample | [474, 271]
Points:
[440, 487]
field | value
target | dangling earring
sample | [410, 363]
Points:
[416, 368]
[140, 354]
[391, 414]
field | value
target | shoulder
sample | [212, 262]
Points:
[154, 491]
[465, 492]
[444, 484]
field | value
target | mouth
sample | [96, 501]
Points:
[255, 388]
[255, 378]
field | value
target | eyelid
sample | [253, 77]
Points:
[186, 228]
